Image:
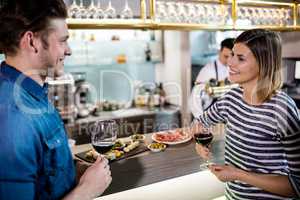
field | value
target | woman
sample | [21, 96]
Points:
[262, 141]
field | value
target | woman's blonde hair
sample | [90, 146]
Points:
[266, 48]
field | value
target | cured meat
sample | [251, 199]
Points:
[171, 136]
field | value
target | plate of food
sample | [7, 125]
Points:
[118, 152]
[171, 137]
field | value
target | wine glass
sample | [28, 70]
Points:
[182, 15]
[204, 138]
[99, 12]
[172, 14]
[127, 12]
[73, 9]
[200, 13]
[92, 10]
[191, 13]
[104, 135]
[82, 11]
[287, 16]
[110, 12]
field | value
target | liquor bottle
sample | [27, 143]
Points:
[148, 53]
[162, 95]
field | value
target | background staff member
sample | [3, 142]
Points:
[218, 69]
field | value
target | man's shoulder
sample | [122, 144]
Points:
[207, 68]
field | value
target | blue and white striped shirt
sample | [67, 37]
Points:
[261, 139]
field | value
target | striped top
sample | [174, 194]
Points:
[262, 139]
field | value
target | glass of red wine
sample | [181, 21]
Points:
[104, 135]
[204, 138]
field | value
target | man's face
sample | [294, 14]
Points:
[58, 48]
[224, 55]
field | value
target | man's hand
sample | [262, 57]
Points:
[97, 177]
[225, 172]
[93, 182]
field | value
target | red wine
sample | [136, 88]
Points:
[204, 139]
[102, 147]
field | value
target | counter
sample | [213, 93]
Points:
[201, 185]
[176, 163]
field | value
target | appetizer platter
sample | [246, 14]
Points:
[119, 151]
[171, 137]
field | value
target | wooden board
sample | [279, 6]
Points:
[140, 149]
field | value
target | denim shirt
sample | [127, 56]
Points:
[35, 159]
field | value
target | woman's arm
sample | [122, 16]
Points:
[276, 184]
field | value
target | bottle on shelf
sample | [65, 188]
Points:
[162, 95]
[156, 95]
[148, 53]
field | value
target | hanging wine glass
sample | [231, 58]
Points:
[191, 13]
[182, 15]
[172, 14]
[99, 12]
[250, 15]
[127, 12]
[261, 16]
[200, 13]
[161, 11]
[82, 11]
[210, 13]
[73, 10]
[287, 16]
[110, 12]
[92, 10]
[277, 17]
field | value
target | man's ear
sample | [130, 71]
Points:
[29, 41]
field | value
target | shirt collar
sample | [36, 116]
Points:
[24, 81]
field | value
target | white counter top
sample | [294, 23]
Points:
[202, 185]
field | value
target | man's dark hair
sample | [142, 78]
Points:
[227, 43]
[19, 16]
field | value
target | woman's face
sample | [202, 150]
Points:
[243, 67]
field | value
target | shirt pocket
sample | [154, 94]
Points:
[55, 162]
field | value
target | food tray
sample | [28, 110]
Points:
[140, 149]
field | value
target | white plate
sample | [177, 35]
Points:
[170, 143]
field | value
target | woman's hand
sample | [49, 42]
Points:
[203, 151]
[225, 172]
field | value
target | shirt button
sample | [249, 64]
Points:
[58, 141]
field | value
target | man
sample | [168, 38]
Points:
[213, 73]
[35, 159]
[218, 69]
